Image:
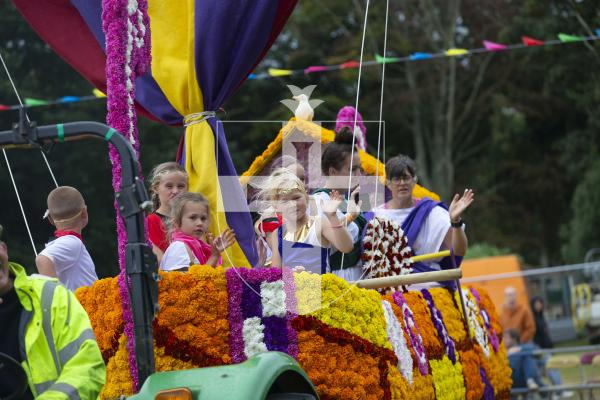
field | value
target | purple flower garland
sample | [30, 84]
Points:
[413, 333]
[488, 391]
[243, 287]
[438, 322]
[492, 335]
[127, 31]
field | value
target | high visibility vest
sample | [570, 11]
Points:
[56, 341]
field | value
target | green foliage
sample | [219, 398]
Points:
[583, 230]
[480, 250]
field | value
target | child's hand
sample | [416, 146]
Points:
[223, 241]
[330, 207]
[353, 207]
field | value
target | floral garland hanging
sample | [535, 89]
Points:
[126, 28]
[386, 250]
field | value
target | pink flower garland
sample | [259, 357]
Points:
[126, 28]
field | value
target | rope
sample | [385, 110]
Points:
[28, 120]
[19, 200]
[360, 65]
[387, 9]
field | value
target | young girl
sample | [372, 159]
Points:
[167, 181]
[302, 241]
[190, 221]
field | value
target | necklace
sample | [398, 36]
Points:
[301, 232]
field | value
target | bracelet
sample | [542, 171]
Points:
[336, 226]
[458, 224]
[349, 218]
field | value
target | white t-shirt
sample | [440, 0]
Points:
[431, 236]
[72, 262]
[176, 257]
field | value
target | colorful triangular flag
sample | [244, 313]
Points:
[456, 52]
[420, 56]
[350, 64]
[34, 102]
[493, 46]
[98, 93]
[381, 59]
[563, 37]
[280, 72]
[529, 41]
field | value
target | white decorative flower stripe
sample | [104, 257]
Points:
[273, 299]
[475, 326]
[396, 337]
[253, 333]
[136, 32]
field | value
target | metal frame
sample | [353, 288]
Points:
[141, 266]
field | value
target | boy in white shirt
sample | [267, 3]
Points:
[66, 257]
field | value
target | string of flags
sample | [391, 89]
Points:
[488, 47]
[31, 102]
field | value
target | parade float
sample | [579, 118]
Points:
[353, 343]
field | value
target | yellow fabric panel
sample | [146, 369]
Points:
[173, 68]
[173, 63]
[202, 169]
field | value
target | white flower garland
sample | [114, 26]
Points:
[253, 332]
[474, 326]
[398, 341]
[135, 33]
[273, 299]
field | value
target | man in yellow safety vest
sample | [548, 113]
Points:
[48, 332]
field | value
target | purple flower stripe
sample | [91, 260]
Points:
[488, 392]
[236, 323]
[438, 322]
[276, 337]
[251, 301]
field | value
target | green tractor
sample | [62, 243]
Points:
[271, 375]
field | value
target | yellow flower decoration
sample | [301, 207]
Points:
[448, 379]
[371, 165]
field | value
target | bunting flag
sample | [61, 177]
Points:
[527, 41]
[563, 37]
[493, 46]
[456, 52]
[33, 102]
[488, 47]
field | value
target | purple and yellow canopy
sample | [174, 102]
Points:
[202, 51]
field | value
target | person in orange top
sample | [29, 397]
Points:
[517, 316]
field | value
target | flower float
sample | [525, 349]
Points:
[353, 343]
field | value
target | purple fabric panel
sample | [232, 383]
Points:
[240, 222]
[148, 93]
[413, 223]
[230, 38]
